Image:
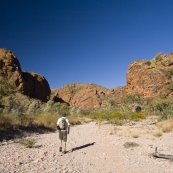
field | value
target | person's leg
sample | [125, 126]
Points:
[64, 140]
[60, 139]
[64, 146]
[60, 148]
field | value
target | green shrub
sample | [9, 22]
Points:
[169, 73]
[158, 58]
[116, 115]
[137, 116]
[6, 88]
[148, 63]
[87, 111]
[133, 98]
[7, 121]
[117, 121]
[170, 86]
[13, 107]
[26, 120]
[98, 116]
[28, 143]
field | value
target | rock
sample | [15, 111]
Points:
[149, 79]
[81, 95]
[29, 83]
[130, 144]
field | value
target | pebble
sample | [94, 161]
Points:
[106, 155]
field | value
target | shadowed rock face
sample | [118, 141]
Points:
[31, 84]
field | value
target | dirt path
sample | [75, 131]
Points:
[95, 151]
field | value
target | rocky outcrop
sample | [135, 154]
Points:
[35, 85]
[31, 84]
[117, 94]
[151, 78]
[81, 95]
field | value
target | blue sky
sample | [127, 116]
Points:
[85, 41]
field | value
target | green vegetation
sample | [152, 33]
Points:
[118, 118]
[158, 58]
[18, 111]
[148, 63]
[5, 88]
[170, 73]
[170, 87]
[28, 143]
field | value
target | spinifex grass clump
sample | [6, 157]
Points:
[42, 121]
[28, 143]
[7, 121]
[166, 125]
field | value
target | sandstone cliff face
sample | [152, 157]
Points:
[31, 84]
[150, 78]
[82, 95]
[117, 94]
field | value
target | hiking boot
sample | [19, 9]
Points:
[64, 152]
[60, 149]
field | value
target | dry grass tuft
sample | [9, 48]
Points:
[135, 135]
[157, 133]
[43, 121]
[124, 132]
[166, 125]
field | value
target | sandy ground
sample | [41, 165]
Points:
[96, 149]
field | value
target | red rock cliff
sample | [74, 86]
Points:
[150, 78]
[31, 84]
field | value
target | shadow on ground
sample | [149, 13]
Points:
[81, 147]
[12, 134]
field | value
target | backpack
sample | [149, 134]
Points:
[62, 124]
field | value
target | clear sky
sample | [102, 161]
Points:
[85, 41]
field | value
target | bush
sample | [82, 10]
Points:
[166, 125]
[7, 121]
[164, 107]
[169, 73]
[26, 120]
[137, 116]
[6, 88]
[13, 107]
[148, 63]
[170, 86]
[158, 58]
[87, 111]
[117, 117]
[48, 121]
[136, 98]
[28, 143]
[98, 116]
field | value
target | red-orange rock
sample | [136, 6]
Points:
[31, 84]
[82, 95]
[150, 77]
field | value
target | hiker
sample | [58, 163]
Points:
[63, 126]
